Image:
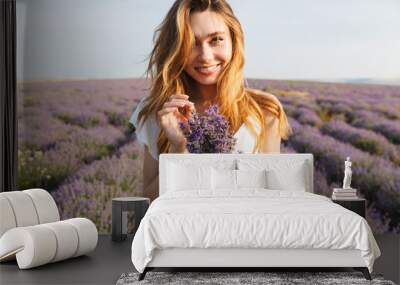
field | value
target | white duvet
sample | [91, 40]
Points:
[251, 218]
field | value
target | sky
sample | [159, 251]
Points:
[286, 39]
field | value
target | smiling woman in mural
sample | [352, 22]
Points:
[198, 61]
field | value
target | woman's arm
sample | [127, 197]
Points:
[272, 143]
[150, 175]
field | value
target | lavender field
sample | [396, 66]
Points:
[76, 142]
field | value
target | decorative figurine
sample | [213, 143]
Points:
[347, 174]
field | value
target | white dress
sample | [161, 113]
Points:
[147, 133]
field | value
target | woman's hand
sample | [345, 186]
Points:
[177, 109]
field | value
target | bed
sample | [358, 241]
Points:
[247, 210]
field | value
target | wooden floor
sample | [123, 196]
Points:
[111, 259]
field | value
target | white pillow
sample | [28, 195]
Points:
[281, 174]
[224, 179]
[292, 179]
[251, 178]
[183, 177]
[229, 179]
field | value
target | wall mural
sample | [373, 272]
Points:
[75, 141]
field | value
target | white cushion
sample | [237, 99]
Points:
[168, 171]
[251, 178]
[40, 244]
[45, 206]
[292, 179]
[224, 179]
[87, 233]
[182, 177]
[23, 208]
[33, 246]
[282, 174]
[7, 220]
[26, 208]
[67, 239]
[228, 179]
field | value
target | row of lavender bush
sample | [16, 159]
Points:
[75, 141]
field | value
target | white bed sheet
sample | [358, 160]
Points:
[250, 218]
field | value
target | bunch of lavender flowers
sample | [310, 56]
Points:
[208, 133]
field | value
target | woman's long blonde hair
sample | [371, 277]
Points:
[173, 43]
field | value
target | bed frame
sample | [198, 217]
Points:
[246, 258]
[242, 259]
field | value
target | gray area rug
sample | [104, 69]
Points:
[229, 278]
